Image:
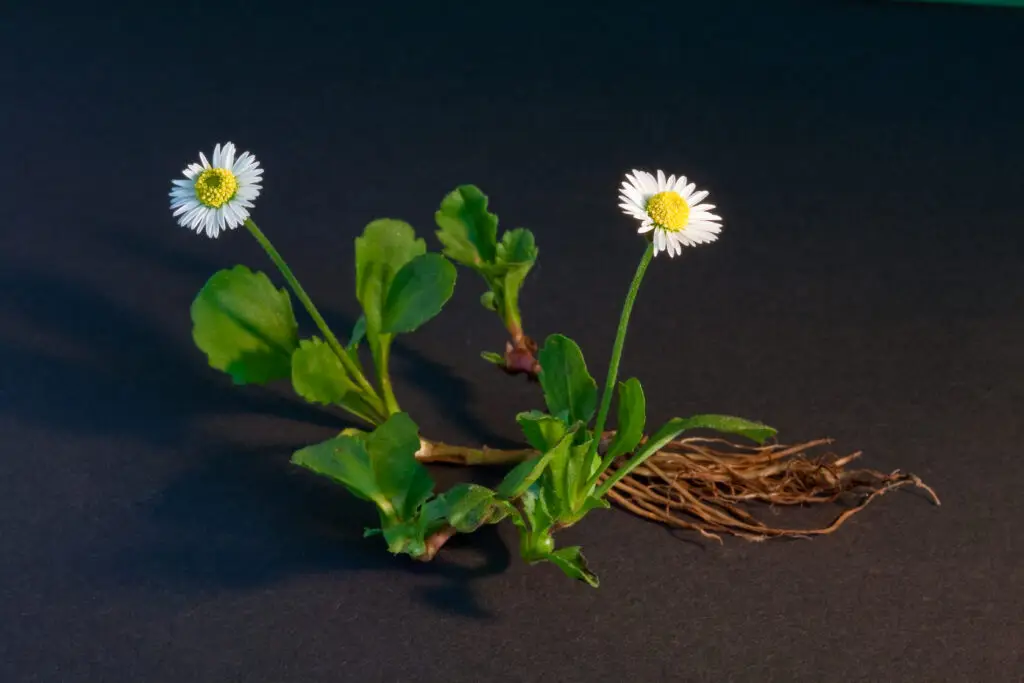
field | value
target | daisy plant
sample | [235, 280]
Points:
[247, 328]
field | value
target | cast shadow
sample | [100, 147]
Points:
[101, 369]
[242, 520]
[86, 364]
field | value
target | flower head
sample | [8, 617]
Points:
[671, 208]
[217, 196]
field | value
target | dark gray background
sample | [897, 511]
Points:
[866, 157]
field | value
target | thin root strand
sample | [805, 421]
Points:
[698, 484]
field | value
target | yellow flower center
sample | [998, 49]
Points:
[215, 186]
[668, 210]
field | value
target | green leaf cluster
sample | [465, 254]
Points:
[469, 233]
[559, 487]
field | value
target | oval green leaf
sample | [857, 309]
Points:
[419, 291]
[318, 375]
[245, 326]
[569, 390]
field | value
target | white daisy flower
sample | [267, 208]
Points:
[217, 196]
[671, 208]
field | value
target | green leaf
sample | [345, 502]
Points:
[558, 482]
[345, 460]
[632, 418]
[358, 333]
[755, 431]
[417, 293]
[571, 561]
[577, 471]
[384, 247]
[522, 476]
[245, 326]
[516, 253]
[542, 431]
[509, 510]
[318, 375]
[492, 357]
[535, 510]
[518, 248]
[489, 301]
[569, 390]
[470, 506]
[405, 537]
[404, 480]
[468, 231]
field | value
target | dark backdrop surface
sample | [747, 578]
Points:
[866, 157]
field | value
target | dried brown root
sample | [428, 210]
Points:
[699, 484]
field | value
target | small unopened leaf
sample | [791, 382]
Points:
[571, 561]
[318, 375]
[245, 326]
[569, 390]
[489, 301]
[492, 357]
[417, 293]
[468, 231]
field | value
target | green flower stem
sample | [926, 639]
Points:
[620, 339]
[371, 395]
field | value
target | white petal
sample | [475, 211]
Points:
[202, 158]
[227, 157]
[687, 191]
[193, 219]
[184, 207]
[645, 227]
[233, 216]
[634, 195]
[696, 197]
[680, 184]
[215, 161]
[647, 182]
[661, 180]
[211, 223]
[704, 216]
[248, 192]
